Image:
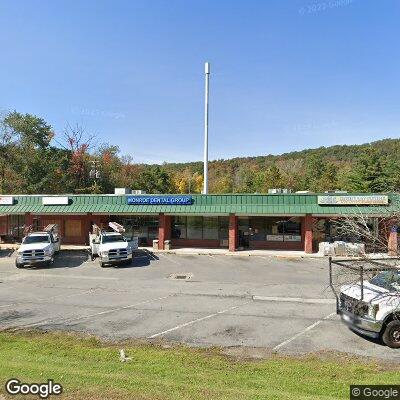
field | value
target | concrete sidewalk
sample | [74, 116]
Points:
[194, 251]
[209, 252]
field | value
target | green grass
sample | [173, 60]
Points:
[90, 369]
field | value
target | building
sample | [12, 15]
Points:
[234, 221]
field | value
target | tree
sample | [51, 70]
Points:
[369, 172]
[154, 180]
[25, 153]
[110, 166]
[328, 179]
[78, 143]
[273, 178]
[30, 130]
[315, 168]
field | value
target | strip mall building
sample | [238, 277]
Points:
[234, 221]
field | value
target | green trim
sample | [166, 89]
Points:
[221, 204]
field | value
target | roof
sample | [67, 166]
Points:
[219, 204]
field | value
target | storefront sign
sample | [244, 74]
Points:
[284, 238]
[160, 200]
[353, 200]
[55, 201]
[292, 238]
[275, 238]
[6, 201]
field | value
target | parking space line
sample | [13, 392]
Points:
[47, 275]
[68, 320]
[295, 300]
[284, 343]
[49, 298]
[197, 320]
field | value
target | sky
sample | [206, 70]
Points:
[285, 74]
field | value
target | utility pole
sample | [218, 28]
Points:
[94, 174]
[207, 73]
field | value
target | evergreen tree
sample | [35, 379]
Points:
[369, 172]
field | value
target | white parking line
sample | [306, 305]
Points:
[68, 320]
[23, 275]
[280, 345]
[295, 300]
[196, 320]
[50, 298]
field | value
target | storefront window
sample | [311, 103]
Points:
[194, 227]
[331, 230]
[257, 229]
[179, 228]
[210, 228]
[3, 225]
[143, 227]
[223, 223]
[16, 225]
[275, 229]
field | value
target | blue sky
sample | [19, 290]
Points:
[286, 74]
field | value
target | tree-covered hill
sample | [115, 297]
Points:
[35, 159]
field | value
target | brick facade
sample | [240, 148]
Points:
[308, 233]
[164, 230]
[233, 232]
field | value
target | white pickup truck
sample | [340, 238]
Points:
[112, 248]
[38, 248]
[372, 307]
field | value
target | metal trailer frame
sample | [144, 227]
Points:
[377, 265]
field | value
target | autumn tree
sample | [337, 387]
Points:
[78, 143]
[154, 180]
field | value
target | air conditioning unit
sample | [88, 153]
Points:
[279, 191]
[135, 191]
[122, 191]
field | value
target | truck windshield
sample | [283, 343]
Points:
[389, 280]
[36, 239]
[113, 238]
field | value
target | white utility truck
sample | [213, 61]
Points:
[112, 247]
[371, 306]
[38, 248]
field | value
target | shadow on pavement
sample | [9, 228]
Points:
[69, 259]
[141, 258]
[148, 253]
[6, 252]
[369, 339]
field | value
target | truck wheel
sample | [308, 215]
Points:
[102, 265]
[18, 265]
[391, 336]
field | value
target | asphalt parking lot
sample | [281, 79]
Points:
[272, 303]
